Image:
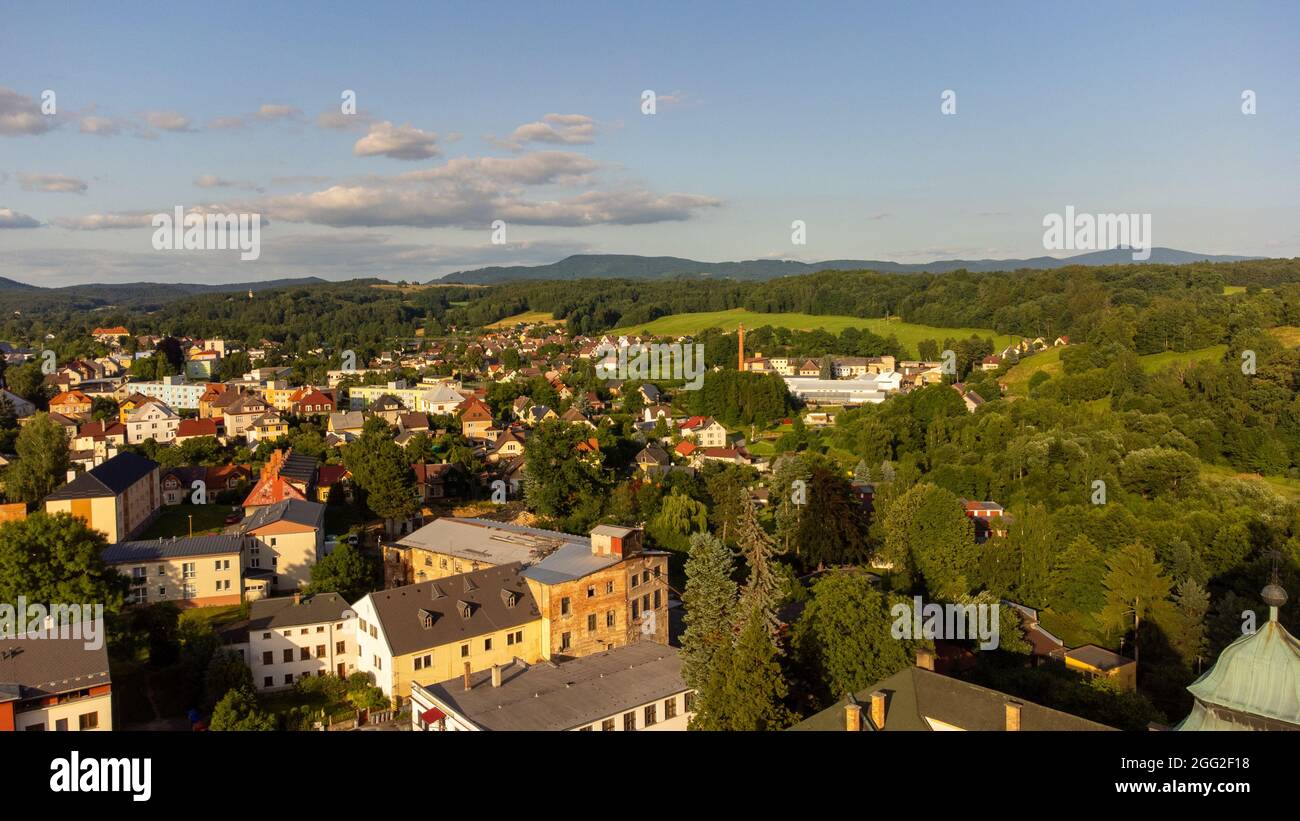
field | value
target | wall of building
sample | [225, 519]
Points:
[321, 641]
[100, 702]
[166, 580]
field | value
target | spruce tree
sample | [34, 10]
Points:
[710, 602]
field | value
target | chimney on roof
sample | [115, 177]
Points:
[72, 474]
[878, 709]
[297, 598]
[925, 659]
[496, 675]
[1013, 716]
[853, 717]
[467, 684]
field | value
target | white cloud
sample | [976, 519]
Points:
[559, 129]
[21, 115]
[10, 218]
[167, 120]
[398, 142]
[226, 124]
[52, 183]
[212, 181]
[271, 111]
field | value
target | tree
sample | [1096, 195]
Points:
[927, 532]
[1189, 638]
[380, 468]
[833, 527]
[679, 516]
[1034, 543]
[746, 689]
[862, 473]
[346, 571]
[238, 710]
[1136, 591]
[761, 593]
[1153, 471]
[728, 489]
[558, 478]
[42, 463]
[54, 558]
[709, 601]
[226, 672]
[843, 640]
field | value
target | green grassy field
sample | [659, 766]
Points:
[1288, 335]
[907, 333]
[1156, 361]
[173, 520]
[527, 317]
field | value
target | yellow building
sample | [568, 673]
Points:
[200, 571]
[119, 498]
[1099, 662]
[285, 540]
[430, 632]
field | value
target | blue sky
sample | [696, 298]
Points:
[767, 113]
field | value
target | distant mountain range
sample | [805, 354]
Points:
[631, 266]
[136, 295]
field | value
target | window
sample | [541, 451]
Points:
[670, 708]
[379, 663]
[519, 637]
[288, 678]
[566, 640]
[419, 663]
[302, 632]
[464, 651]
[61, 725]
[607, 725]
[690, 701]
[591, 623]
[266, 635]
[656, 599]
[320, 628]
[362, 623]
[374, 634]
[609, 618]
[650, 715]
[629, 720]
[187, 570]
[320, 651]
[584, 729]
[591, 591]
[636, 609]
[137, 572]
[645, 575]
[217, 565]
[162, 591]
[565, 609]
[268, 681]
[304, 654]
[510, 639]
[88, 721]
[340, 647]
[487, 645]
[272, 541]
[267, 657]
[288, 654]
[609, 587]
[635, 580]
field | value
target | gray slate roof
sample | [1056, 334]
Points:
[109, 479]
[573, 561]
[268, 614]
[564, 696]
[43, 667]
[426, 615]
[155, 549]
[309, 514]
[914, 694]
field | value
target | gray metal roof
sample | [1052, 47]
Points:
[573, 561]
[175, 548]
[297, 511]
[109, 479]
[490, 542]
[564, 696]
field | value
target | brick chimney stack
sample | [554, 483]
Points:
[467, 684]
[853, 717]
[1013, 716]
[925, 659]
[740, 332]
[878, 709]
[496, 675]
